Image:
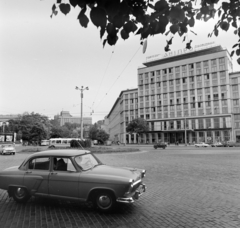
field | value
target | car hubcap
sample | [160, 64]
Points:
[104, 201]
[20, 192]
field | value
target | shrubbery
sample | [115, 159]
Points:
[80, 143]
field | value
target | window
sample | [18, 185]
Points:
[198, 65]
[191, 79]
[215, 89]
[184, 80]
[234, 87]
[184, 100]
[200, 124]
[208, 123]
[223, 74]
[221, 61]
[165, 96]
[192, 92]
[200, 104]
[39, 163]
[234, 80]
[165, 83]
[177, 81]
[185, 93]
[236, 102]
[192, 99]
[177, 69]
[206, 77]
[199, 91]
[216, 123]
[184, 68]
[171, 82]
[213, 62]
[208, 104]
[224, 95]
[215, 96]
[205, 64]
[193, 124]
[224, 102]
[158, 72]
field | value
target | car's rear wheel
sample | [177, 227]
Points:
[20, 195]
[105, 201]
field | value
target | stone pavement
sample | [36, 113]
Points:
[186, 188]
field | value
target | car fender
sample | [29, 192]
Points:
[93, 191]
[12, 187]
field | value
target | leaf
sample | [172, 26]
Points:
[225, 6]
[234, 24]
[219, 12]
[124, 34]
[238, 52]
[161, 5]
[177, 13]
[174, 28]
[184, 38]
[102, 31]
[166, 49]
[188, 45]
[111, 29]
[174, 1]
[167, 32]
[215, 31]
[112, 40]
[59, 1]
[65, 8]
[232, 53]
[98, 17]
[73, 2]
[129, 27]
[224, 25]
[118, 21]
[205, 10]
[199, 16]
[104, 42]
[169, 42]
[238, 60]
[193, 32]
[235, 31]
[83, 19]
[191, 22]
[235, 45]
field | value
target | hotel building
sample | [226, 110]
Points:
[187, 98]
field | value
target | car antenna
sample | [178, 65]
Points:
[80, 145]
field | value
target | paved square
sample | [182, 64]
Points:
[186, 187]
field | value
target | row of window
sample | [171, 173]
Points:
[189, 67]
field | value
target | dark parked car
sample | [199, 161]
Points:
[228, 143]
[73, 175]
[160, 145]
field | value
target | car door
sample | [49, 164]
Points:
[63, 179]
[36, 175]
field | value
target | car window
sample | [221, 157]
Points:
[39, 163]
[63, 164]
[86, 161]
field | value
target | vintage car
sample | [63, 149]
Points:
[201, 144]
[228, 143]
[160, 145]
[217, 144]
[73, 175]
[7, 149]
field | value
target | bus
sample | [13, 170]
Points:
[44, 142]
[60, 142]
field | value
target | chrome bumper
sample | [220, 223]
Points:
[141, 189]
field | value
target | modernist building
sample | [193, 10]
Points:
[66, 117]
[191, 97]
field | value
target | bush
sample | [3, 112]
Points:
[80, 143]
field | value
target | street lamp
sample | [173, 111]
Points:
[81, 110]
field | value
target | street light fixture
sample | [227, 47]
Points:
[81, 111]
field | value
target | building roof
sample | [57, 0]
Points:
[188, 55]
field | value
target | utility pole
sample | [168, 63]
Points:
[81, 110]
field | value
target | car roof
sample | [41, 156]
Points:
[61, 152]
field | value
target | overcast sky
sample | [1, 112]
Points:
[42, 60]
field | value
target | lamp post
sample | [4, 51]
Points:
[81, 110]
[185, 131]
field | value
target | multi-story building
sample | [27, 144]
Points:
[185, 98]
[66, 117]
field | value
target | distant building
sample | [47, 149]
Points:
[66, 117]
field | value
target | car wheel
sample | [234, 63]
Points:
[105, 201]
[155, 147]
[20, 195]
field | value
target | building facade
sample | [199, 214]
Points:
[188, 98]
[66, 117]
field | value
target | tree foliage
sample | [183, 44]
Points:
[120, 18]
[95, 133]
[138, 125]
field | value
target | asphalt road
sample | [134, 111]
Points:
[186, 187]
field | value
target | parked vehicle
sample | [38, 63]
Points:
[217, 144]
[201, 144]
[73, 175]
[160, 145]
[60, 142]
[7, 149]
[45, 142]
[228, 143]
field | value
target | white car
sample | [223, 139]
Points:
[7, 149]
[201, 144]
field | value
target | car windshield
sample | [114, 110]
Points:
[86, 161]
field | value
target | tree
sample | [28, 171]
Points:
[150, 17]
[93, 130]
[102, 136]
[138, 126]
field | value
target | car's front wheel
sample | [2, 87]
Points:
[20, 195]
[105, 201]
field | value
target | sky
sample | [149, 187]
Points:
[43, 59]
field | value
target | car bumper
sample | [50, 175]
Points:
[141, 189]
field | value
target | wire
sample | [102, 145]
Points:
[118, 77]
[103, 76]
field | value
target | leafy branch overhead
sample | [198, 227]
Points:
[120, 18]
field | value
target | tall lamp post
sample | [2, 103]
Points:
[81, 111]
